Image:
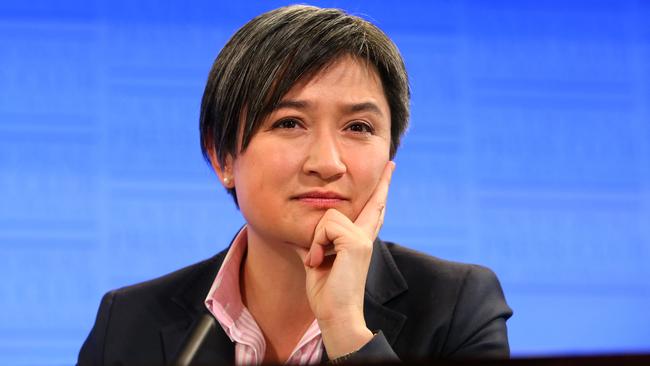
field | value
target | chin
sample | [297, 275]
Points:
[301, 232]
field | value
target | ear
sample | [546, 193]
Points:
[225, 173]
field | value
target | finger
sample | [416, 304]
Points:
[316, 250]
[324, 245]
[303, 254]
[380, 222]
[372, 214]
[315, 255]
[326, 233]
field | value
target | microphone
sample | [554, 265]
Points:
[194, 341]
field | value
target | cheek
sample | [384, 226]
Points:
[263, 171]
[276, 168]
[367, 174]
[370, 173]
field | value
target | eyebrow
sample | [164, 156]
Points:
[292, 103]
[351, 108]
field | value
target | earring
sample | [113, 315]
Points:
[226, 180]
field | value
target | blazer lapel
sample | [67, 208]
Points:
[218, 348]
[384, 283]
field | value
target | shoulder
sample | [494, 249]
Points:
[460, 308]
[161, 297]
[129, 318]
[421, 268]
[174, 280]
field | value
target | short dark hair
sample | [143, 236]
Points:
[271, 53]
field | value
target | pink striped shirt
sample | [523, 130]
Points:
[224, 302]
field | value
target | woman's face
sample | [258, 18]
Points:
[325, 146]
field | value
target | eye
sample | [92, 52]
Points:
[360, 127]
[287, 123]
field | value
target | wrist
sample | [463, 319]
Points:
[349, 356]
[343, 337]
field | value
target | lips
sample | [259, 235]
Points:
[320, 195]
[320, 199]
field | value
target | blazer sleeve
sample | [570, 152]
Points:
[478, 325]
[92, 351]
[376, 350]
[477, 328]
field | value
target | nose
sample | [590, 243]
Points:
[324, 157]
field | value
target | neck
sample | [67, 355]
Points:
[273, 279]
[272, 284]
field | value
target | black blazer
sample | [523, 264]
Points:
[423, 308]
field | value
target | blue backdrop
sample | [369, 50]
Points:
[528, 152]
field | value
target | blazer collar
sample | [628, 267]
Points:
[218, 348]
[384, 282]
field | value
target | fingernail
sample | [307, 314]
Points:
[307, 260]
[311, 262]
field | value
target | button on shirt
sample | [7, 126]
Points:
[224, 302]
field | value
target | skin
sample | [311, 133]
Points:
[331, 133]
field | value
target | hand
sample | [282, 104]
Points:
[336, 283]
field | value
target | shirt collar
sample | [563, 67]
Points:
[224, 298]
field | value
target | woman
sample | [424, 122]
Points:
[301, 116]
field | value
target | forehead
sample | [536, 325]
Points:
[346, 77]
